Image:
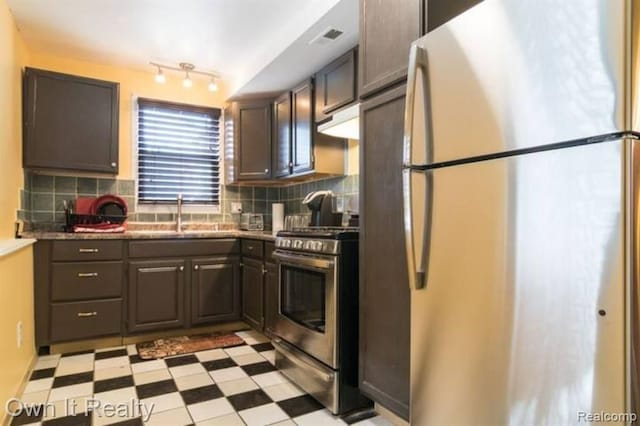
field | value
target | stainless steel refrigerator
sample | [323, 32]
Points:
[521, 189]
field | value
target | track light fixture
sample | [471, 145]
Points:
[188, 69]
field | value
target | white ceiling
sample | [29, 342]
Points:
[237, 38]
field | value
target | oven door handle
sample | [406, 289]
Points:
[304, 261]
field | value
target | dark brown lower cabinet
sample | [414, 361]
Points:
[384, 289]
[215, 290]
[270, 297]
[252, 292]
[156, 294]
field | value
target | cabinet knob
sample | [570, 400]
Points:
[196, 267]
[181, 268]
[266, 170]
[114, 165]
[290, 164]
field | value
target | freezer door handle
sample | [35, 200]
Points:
[417, 61]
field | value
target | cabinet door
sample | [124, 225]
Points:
[387, 29]
[156, 294]
[303, 124]
[282, 136]
[252, 126]
[271, 302]
[252, 292]
[336, 85]
[70, 122]
[384, 368]
[215, 290]
[441, 11]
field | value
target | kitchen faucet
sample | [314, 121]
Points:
[179, 213]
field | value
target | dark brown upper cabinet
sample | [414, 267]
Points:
[302, 128]
[70, 122]
[336, 85]
[441, 11]
[252, 139]
[387, 29]
[282, 115]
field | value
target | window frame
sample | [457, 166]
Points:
[168, 207]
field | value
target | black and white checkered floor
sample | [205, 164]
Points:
[233, 386]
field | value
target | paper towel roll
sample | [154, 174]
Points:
[277, 215]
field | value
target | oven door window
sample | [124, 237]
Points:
[302, 297]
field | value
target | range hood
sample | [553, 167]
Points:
[343, 124]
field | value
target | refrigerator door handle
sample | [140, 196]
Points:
[417, 269]
[417, 61]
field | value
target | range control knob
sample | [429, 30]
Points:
[298, 244]
[286, 243]
[318, 246]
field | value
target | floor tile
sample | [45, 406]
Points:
[263, 415]
[73, 367]
[85, 356]
[251, 399]
[211, 355]
[210, 409]
[180, 360]
[117, 396]
[78, 353]
[175, 417]
[219, 364]
[81, 419]
[132, 350]
[374, 421]
[239, 350]
[112, 362]
[201, 394]
[193, 381]
[164, 402]
[38, 385]
[322, 417]
[72, 379]
[268, 379]
[262, 347]
[42, 374]
[151, 376]
[110, 349]
[112, 384]
[187, 370]
[145, 366]
[116, 421]
[113, 372]
[58, 394]
[259, 368]
[135, 358]
[35, 397]
[150, 390]
[228, 420]
[67, 407]
[50, 361]
[33, 416]
[255, 340]
[112, 353]
[283, 391]
[269, 356]
[248, 359]
[284, 423]
[226, 374]
[233, 387]
[300, 405]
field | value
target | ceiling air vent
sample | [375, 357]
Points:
[327, 36]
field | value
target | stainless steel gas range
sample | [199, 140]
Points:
[317, 321]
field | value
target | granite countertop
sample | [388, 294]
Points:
[151, 234]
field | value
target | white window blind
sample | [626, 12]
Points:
[178, 153]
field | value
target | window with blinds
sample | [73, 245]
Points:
[178, 153]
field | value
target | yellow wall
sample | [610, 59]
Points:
[133, 83]
[16, 270]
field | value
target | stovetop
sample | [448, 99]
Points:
[324, 232]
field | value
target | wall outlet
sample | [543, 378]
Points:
[236, 207]
[19, 334]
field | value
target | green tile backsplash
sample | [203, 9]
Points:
[43, 197]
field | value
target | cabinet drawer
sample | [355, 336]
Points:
[182, 248]
[86, 250]
[81, 320]
[86, 280]
[269, 248]
[252, 248]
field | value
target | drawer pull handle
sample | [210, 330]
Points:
[87, 274]
[88, 250]
[87, 314]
